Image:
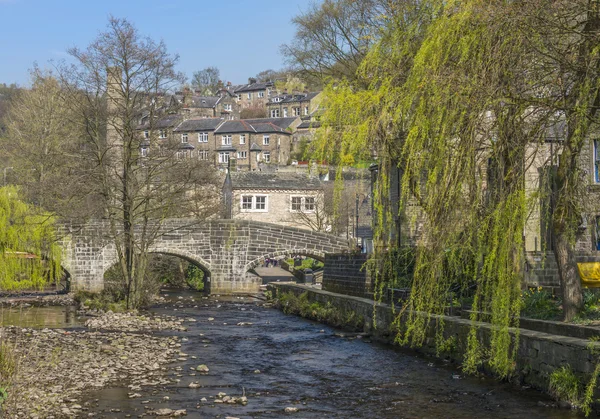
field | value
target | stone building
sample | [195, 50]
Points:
[254, 143]
[191, 105]
[248, 144]
[284, 198]
[304, 105]
[198, 136]
[254, 94]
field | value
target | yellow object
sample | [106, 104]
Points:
[589, 272]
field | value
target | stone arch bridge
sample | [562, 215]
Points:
[224, 249]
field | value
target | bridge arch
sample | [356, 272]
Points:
[225, 249]
[290, 253]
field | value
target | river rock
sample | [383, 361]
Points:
[163, 412]
[291, 409]
[202, 368]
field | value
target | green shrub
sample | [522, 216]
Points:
[564, 385]
[300, 305]
[538, 303]
[194, 276]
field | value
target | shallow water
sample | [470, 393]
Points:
[40, 317]
[309, 366]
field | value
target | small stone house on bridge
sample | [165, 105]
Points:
[284, 198]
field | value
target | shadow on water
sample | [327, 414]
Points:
[281, 361]
[40, 317]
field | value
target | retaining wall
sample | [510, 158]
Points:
[539, 354]
[344, 274]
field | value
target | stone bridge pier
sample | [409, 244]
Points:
[224, 249]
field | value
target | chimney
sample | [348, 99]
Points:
[251, 80]
[228, 84]
[187, 96]
[113, 86]
[220, 84]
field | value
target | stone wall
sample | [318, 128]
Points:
[225, 249]
[538, 355]
[541, 270]
[344, 274]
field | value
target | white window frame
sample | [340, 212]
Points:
[266, 139]
[203, 137]
[274, 113]
[267, 156]
[203, 154]
[302, 203]
[146, 134]
[242, 154]
[144, 151]
[224, 157]
[261, 94]
[285, 112]
[306, 110]
[314, 204]
[162, 134]
[296, 111]
[184, 137]
[249, 96]
[227, 106]
[226, 139]
[242, 139]
[254, 203]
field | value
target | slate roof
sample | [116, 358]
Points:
[254, 87]
[309, 124]
[280, 122]
[205, 101]
[258, 126]
[275, 180]
[199, 124]
[255, 147]
[294, 97]
[166, 121]
[234, 126]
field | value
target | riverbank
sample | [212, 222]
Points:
[539, 354]
[55, 368]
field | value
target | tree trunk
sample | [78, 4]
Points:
[569, 278]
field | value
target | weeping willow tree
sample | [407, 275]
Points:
[460, 98]
[29, 256]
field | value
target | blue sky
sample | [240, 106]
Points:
[240, 37]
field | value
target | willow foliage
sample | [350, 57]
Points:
[26, 231]
[439, 107]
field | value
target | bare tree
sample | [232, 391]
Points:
[206, 80]
[41, 148]
[116, 85]
[333, 37]
[253, 111]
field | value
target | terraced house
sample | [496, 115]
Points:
[254, 94]
[247, 144]
[304, 105]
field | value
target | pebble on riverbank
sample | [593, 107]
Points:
[59, 366]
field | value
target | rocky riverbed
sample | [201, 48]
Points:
[55, 367]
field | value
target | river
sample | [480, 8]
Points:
[280, 361]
